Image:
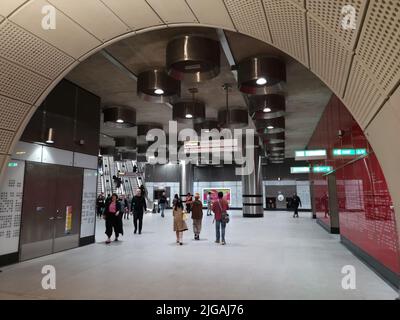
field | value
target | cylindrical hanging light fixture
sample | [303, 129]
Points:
[194, 58]
[238, 118]
[190, 111]
[274, 138]
[143, 130]
[119, 117]
[207, 125]
[157, 86]
[270, 126]
[267, 106]
[50, 136]
[256, 74]
[125, 143]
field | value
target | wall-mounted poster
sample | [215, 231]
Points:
[68, 219]
[214, 194]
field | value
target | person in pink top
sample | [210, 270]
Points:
[220, 208]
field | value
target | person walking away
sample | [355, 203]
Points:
[197, 216]
[296, 202]
[179, 222]
[175, 200]
[138, 207]
[111, 215]
[100, 203]
[189, 201]
[125, 205]
[209, 202]
[325, 204]
[220, 208]
[163, 203]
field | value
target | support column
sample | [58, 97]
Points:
[186, 179]
[333, 204]
[252, 189]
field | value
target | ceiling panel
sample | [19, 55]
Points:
[19, 83]
[13, 113]
[6, 138]
[329, 14]
[136, 14]
[287, 22]
[48, 60]
[68, 36]
[173, 11]
[8, 6]
[329, 58]
[379, 44]
[363, 97]
[249, 18]
[218, 16]
[94, 16]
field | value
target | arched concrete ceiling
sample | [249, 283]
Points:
[360, 66]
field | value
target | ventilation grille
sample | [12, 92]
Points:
[288, 28]
[29, 51]
[363, 98]
[379, 44]
[6, 138]
[13, 113]
[329, 59]
[19, 83]
[329, 13]
[249, 18]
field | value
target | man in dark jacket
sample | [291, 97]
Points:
[197, 216]
[162, 203]
[295, 203]
[138, 207]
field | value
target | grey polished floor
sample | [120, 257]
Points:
[276, 257]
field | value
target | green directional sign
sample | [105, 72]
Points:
[322, 169]
[349, 152]
[299, 169]
[13, 164]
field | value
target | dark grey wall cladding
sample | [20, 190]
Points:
[170, 172]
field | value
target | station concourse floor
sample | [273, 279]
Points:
[275, 257]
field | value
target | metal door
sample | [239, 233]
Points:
[38, 208]
[51, 209]
[68, 202]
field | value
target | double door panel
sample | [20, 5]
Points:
[51, 211]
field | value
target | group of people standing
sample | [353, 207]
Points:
[113, 209]
[195, 207]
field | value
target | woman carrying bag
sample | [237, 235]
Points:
[179, 221]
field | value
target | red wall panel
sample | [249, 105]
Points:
[365, 206]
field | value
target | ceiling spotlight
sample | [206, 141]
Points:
[261, 81]
[119, 121]
[119, 117]
[159, 91]
[189, 116]
[267, 110]
[270, 127]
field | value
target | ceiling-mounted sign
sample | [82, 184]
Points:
[322, 169]
[310, 155]
[294, 170]
[13, 164]
[349, 152]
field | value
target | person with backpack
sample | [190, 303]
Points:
[221, 218]
[197, 216]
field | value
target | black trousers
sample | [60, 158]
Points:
[138, 217]
[296, 211]
[111, 223]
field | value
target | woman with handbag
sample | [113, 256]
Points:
[221, 218]
[179, 221]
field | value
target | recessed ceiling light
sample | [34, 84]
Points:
[261, 81]
[120, 121]
[270, 127]
[189, 116]
[267, 110]
[159, 91]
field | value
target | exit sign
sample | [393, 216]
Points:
[12, 164]
[299, 169]
[322, 169]
[310, 155]
[349, 152]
